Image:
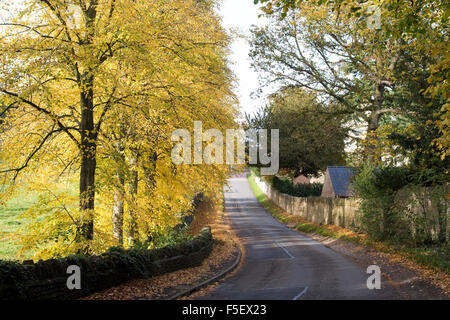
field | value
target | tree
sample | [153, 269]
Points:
[58, 73]
[332, 56]
[335, 54]
[399, 70]
[98, 99]
[411, 135]
[424, 25]
[310, 138]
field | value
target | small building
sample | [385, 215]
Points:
[337, 182]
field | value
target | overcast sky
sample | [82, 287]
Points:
[240, 15]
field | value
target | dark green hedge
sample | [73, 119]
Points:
[46, 280]
[300, 190]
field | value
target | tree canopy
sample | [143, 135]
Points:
[93, 90]
[311, 138]
[421, 25]
[373, 77]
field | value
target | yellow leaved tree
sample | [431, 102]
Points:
[92, 91]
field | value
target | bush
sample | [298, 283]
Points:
[377, 203]
[300, 190]
[394, 207]
[170, 237]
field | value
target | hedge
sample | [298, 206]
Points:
[46, 280]
[299, 190]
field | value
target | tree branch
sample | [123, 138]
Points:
[52, 117]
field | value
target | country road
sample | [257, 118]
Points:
[281, 264]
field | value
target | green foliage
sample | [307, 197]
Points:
[435, 256]
[426, 165]
[170, 237]
[255, 171]
[377, 194]
[310, 137]
[300, 190]
[395, 208]
[311, 228]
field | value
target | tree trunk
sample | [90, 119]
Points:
[88, 151]
[133, 232]
[119, 194]
[374, 120]
[88, 143]
[442, 207]
[118, 209]
[150, 170]
[443, 220]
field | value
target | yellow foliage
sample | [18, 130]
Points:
[149, 67]
[380, 149]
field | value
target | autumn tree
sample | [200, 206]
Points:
[409, 144]
[92, 98]
[57, 71]
[196, 87]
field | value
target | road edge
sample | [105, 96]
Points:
[215, 278]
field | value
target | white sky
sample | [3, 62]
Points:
[240, 15]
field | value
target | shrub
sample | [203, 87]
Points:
[300, 190]
[171, 237]
[396, 208]
[377, 202]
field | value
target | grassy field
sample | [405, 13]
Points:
[10, 222]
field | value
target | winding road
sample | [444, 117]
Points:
[281, 264]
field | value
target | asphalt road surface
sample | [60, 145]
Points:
[281, 264]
